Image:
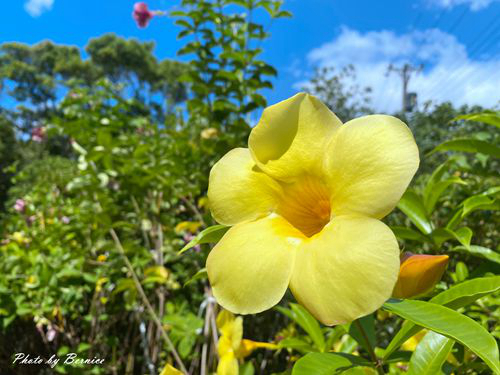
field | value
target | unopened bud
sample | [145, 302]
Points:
[418, 274]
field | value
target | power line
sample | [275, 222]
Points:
[440, 17]
[459, 75]
[458, 21]
[486, 33]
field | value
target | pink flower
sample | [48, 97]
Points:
[142, 15]
[38, 134]
[65, 220]
[20, 205]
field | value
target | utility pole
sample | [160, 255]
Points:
[409, 100]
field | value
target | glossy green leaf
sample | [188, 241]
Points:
[430, 354]
[483, 201]
[408, 234]
[457, 296]
[435, 186]
[461, 271]
[305, 320]
[465, 293]
[462, 235]
[479, 251]
[490, 118]
[451, 324]
[297, 344]
[479, 202]
[413, 207]
[325, 363]
[432, 196]
[469, 145]
[210, 235]
[366, 336]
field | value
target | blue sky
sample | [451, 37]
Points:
[458, 41]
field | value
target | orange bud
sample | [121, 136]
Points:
[418, 274]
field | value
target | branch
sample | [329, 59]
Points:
[146, 302]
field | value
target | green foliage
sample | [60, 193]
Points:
[340, 92]
[210, 235]
[430, 354]
[325, 364]
[226, 75]
[127, 148]
[451, 324]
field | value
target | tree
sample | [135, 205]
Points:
[340, 92]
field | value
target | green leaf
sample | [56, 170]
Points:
[479, 202]
[210, 235]
[469, 145]
[297, 344]
[490, 118]
[457, 296]
[462, 235]
[435, 186]
[432, 196]
[325, 363]
[246, 369]
[451, 324]
[413, 207]
[465, 293]
[430, 354]
[201, 274]
[479, 251]
[366, 338]
[409, 234]
[461, 271]
[305, 320]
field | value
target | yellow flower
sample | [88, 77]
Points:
[209, 133]
[418, 274]
[20, 238]
[170, 370]
[102, 258]
[232, 346]
[305, 201]
[187, 226]
[100, 282]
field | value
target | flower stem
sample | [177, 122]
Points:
[373, 356]
[146, 302]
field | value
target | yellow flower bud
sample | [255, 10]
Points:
[418, 274]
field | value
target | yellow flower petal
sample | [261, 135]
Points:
[170, 370]
[346, 271]
[371, 160]
[223, 318]
[291, 137]
[250, 268]
[238, 191]
[228, 365]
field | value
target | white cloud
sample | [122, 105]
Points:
[36, 7]
[473, 4]
[449, 73]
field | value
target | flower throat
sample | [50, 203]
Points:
[306, 205]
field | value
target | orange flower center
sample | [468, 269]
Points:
[306, 205]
